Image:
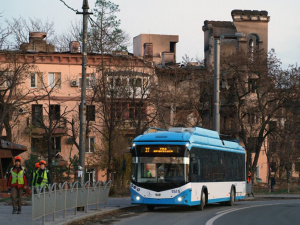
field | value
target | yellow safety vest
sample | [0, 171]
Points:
[17, 176]
[33, 177]
[45, 179]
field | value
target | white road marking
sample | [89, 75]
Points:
[222, 213]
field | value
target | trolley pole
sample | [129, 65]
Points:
[82, 108]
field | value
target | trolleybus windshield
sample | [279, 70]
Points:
[160, 165]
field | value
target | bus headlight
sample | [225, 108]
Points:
[179, 199]
[138, 198]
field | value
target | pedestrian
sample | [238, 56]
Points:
[33, 174]
[273, 182]
[17, 182]
[249, 185]
[43, 177]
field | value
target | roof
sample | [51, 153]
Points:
[227, 24]
[196, 136]
[16, 149]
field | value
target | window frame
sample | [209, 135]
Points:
[37, 76]
[90, 145]
[54, 84]
[54, 111]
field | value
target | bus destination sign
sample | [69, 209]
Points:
[158, 150]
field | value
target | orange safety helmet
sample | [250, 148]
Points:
[37, 165]
[43, 162]
[18, 158]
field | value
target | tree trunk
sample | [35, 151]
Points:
[8, 130]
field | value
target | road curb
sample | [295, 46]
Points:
[96, 214]
[271, 197]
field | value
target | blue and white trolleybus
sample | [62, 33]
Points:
[186, 166]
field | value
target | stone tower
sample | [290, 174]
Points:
[253, 24]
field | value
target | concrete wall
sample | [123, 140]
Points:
[161, 43]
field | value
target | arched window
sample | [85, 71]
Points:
[253, 42]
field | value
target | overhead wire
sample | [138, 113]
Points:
[68, 6]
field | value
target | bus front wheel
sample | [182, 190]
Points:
[202, 204]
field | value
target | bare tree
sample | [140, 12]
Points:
[120, 98]
[21, 27]
[53, 125]
[184, 96]
[4, 34]
[15, 69]
[284, 139]
[257, 90]
[73, 34]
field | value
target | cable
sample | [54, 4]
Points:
[68, 6]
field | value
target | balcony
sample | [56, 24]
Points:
[40, 128]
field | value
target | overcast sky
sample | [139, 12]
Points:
[175, 17]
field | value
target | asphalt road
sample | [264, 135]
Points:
[271, 212]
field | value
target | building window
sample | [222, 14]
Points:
[90, 113]
[6, 79]
[38, 144]
[253, 43]
[118, 82]
[252, 83]
[90, 175]
[90, 144]
[139, 82]
[136, 110]
[90, 81]
[251, 118]
[56, 144]
[54, 80]
[36, 80]
[54, 112]
[135, 82]
[37, 115]
[257, 172]
[172, 46]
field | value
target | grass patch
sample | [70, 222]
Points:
[279, 188]
[5, 199]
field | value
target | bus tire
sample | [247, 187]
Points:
[150, 207]
[202, 204]
[232, 197]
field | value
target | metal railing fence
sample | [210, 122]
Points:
[60, 197]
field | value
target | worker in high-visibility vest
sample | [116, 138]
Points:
[33, 174]
[17, 182]
[43, 177]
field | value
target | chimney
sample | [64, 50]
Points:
[37, 36]
[74, 46]
[37, 43]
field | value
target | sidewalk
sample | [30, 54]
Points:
[7, 218]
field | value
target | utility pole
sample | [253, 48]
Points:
[216, 117]
[217, 45]
[82, 108]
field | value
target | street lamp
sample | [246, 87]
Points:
[217, 43]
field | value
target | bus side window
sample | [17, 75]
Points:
[196, 167]
[195, 170]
